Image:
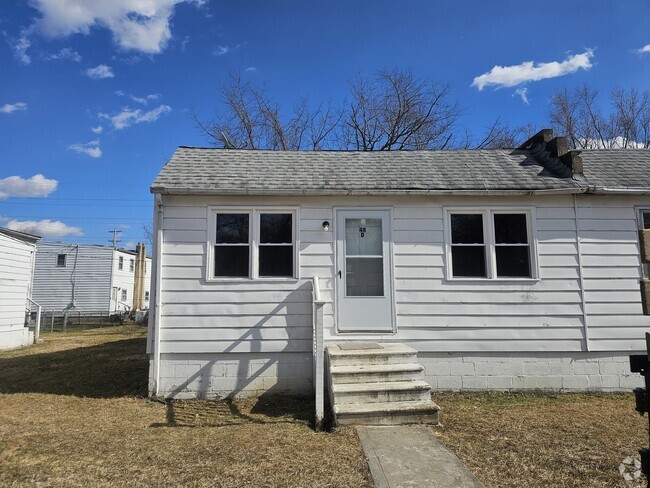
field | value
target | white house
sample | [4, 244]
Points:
[503, 269]
[17, 251]
[87, 278]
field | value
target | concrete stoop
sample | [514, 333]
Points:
[378, 384]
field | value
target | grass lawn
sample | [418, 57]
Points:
[73, 412]
[535, 441]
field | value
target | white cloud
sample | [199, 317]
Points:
[91, 149]
[522, 92]
[36, 186]
[141, 100]
[645, 49]
[65, 54]
[13, 107]
[20, 47]
[97, 130]
[44, 228]
[100, 72]
[130, 245]
[527, 71]
[141, 25]
[251, 69]
[222, 50]
[129, 116]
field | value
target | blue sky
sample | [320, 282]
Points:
[95, 96]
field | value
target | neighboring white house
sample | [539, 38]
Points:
[505, 269]
[17, 251]
[86, 278]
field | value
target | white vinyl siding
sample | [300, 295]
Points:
[434, 314]
[16, 259]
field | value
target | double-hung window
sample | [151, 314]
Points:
[252, 244]
[491, 244]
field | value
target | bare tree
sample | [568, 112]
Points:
[253, 120]
[500, 135]
[578, 115]
[396, 110]
[147, 232]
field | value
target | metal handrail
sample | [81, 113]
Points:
[37, 328]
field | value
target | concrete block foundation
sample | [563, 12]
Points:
[233, 375]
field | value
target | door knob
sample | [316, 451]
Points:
[340, 276]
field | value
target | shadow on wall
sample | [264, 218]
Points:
[110, 370]
[246, 367]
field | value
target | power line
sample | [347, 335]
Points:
[115, 239]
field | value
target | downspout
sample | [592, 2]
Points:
[157, 326]
[580, 275]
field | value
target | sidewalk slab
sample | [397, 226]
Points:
[411, 456]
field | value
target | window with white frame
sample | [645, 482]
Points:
[131, 265]
[253, 244]
[146, 296]
[644, 223]
[60, 260]
[491, 244]
[124, 295]
[120, 263]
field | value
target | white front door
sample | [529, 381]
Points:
[364, 271]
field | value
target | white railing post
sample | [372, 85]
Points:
[318, 355]
[37, 328]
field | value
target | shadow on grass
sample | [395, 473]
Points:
[110, 370]
[270, 409]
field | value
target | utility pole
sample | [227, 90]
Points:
[115, 240]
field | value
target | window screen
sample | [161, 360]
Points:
[60, 260]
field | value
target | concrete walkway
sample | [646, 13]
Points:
[405, 455]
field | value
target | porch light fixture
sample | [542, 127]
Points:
[326, 226]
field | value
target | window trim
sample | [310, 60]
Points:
[253, 236]
[131, 265]
[645, 267]
[65, 261]
[124, 295]
[120, 263]
[490, 244]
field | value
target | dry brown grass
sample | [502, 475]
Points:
[73, 413]
[567, 440]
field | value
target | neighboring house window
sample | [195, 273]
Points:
[120, 263]
[253, 244]
[146, 296]
[644, 223]
[114, 293]
[124, 295]
[131, 265]
[60, 260]
[491, 244]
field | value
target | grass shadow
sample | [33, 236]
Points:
[110, 370]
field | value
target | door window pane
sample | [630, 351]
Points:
[513, 261]
[232, 229]
[468, 261]
[467, 229]
[510, 229]
[231, 261]
[276, 229]
[363, 237]
[646, 220]
[364, 277]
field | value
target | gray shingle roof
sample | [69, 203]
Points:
[233, 171]
[617, 168]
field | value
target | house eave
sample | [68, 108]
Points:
[372, 192]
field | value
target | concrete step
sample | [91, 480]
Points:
[376, 373]
[387, 354]
[387, 413]
[390, 391]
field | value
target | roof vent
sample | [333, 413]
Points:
[553, 153]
